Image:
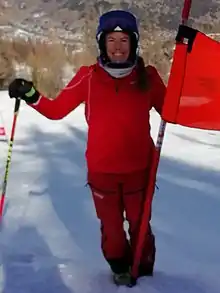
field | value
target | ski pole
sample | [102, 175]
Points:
[8, 161]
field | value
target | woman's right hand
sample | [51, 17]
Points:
[23, 89]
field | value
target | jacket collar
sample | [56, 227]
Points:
[104, 76]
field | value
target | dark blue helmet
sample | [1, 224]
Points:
[118, 20]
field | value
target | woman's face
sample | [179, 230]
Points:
[118, 46]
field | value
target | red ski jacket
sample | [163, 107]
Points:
[117, 113]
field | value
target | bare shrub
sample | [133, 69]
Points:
[47, 61]
[157, 50]
[6, 63]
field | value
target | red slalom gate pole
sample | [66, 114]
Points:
[8, 161]
[186, 10]
[152, 178]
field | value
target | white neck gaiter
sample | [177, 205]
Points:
[118, 72]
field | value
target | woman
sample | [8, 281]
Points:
[118, 91]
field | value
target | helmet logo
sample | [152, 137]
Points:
[118, 29]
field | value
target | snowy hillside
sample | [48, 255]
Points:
[50, 236]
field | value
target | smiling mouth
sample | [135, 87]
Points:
[118, 56]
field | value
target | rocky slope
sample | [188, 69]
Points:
[67, 17]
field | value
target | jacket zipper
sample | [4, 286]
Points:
[116, 86]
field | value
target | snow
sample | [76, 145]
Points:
[50, 239]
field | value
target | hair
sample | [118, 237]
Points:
[143, 78]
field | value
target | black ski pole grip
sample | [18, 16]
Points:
[17, 105]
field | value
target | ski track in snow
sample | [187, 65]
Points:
[50, 240]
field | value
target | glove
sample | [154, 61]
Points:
[23, 89]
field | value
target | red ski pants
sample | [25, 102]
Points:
[116, 195]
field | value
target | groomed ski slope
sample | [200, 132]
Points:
[49, 242]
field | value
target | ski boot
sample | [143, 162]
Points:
[123, 279]
[145, 272]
